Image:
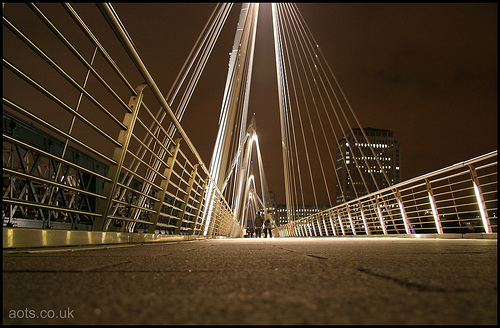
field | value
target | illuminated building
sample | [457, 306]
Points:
[281, 215]
[355, 161]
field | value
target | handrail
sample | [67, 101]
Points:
[448, 200]
[137, 183]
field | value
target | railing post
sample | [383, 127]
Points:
[324, 224]
[164, 185]
[480, 199]
[316, 217]
[330, 214]
[209, 228]
[364, 219]
[433, 206]
[214, 204]
[403, 214]
[309, 224]
[234, 224]
[198, 208]
[230, 224]
[215, 220]
[289, 228]
[350, 220]
[379, 212]
[186, 199]
[119, 156]
[209, 203]
[341, 224]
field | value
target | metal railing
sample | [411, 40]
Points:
[87, 144]
[461, 198]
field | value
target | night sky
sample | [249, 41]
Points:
[427, 71]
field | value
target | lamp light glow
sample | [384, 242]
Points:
[434, 214]
[486, 225]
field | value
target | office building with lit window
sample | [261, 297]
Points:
[281, 213]
[355, 162]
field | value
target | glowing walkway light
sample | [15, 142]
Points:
[364, 220]
[332, 224]
[341, 225]
[350, 220]
[479, 199]
[324, 224]
[434, 213]
[403, 214]
[481, 209]
[380, 217]
[319, 227]
[433, 206]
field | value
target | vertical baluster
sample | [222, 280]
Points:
[124, 137]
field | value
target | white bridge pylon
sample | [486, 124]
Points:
[232, 134]
[247, 197]
[315, 116]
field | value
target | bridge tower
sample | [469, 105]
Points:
[234, 111]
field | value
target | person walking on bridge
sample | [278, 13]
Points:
[267, 228]
[259, 220]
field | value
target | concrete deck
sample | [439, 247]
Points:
[256, 281]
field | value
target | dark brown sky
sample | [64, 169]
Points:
[426, 71]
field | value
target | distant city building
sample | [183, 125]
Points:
[272, 198]
[281, 213]
[387, 150]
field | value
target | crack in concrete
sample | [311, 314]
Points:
[109, 266]
[318, 257]
[408, 283]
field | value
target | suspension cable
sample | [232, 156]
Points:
[303, 78]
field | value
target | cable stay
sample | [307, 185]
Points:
[315, 116]
[314, 111]
[186, 81]
[233, 116]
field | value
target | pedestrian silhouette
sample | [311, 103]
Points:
[259, 220]
[267, 228]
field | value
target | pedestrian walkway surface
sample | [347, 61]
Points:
[257, 281]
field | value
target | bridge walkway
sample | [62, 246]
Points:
[358, 280]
